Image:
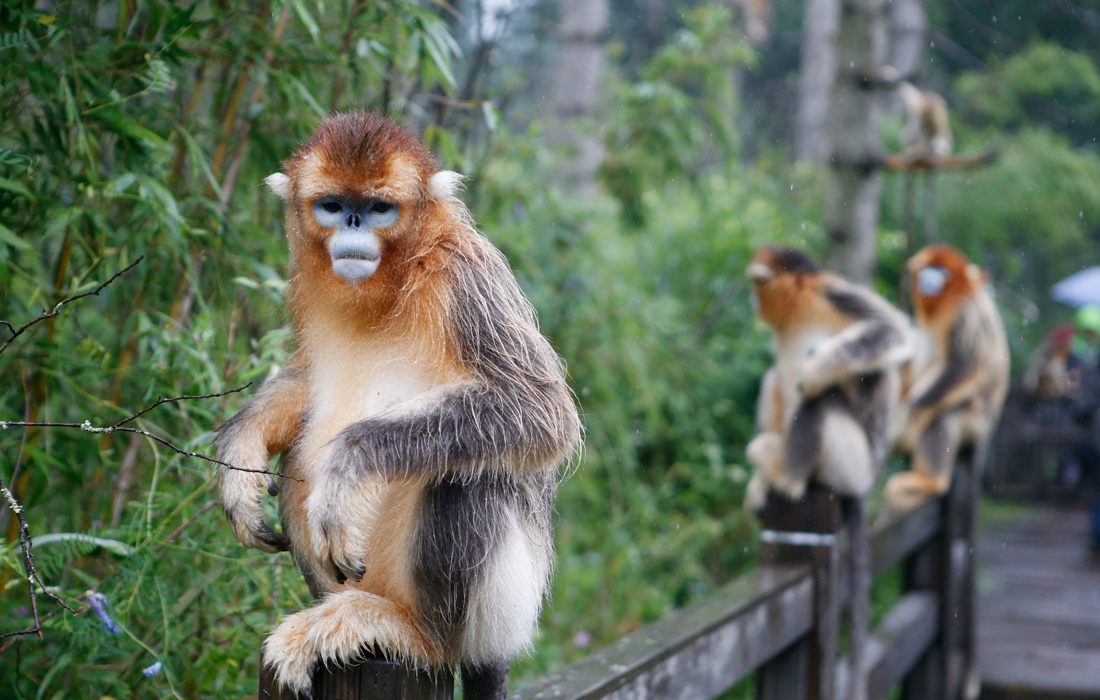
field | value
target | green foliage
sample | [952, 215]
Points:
[1045, 84]
[676, 121]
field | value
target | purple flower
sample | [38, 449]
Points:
[153, 670]
[99, 604]
[582, 639]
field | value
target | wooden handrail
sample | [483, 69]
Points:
[701, 649]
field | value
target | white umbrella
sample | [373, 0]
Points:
[1079, 289]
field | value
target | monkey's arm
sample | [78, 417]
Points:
[878, 338]
[264, 427]
[769, 404]
[516, 412]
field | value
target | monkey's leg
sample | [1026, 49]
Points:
[765, 454]
[934, 454]
[803, 447]
[833, 447]
[339, 629]
[485, 681]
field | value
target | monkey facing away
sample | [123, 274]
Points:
[423, 418]
[959, 376]
[825, 407]
[926, 131]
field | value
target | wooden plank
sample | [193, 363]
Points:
[1039, 622]
[698, 651]
[899, 641]
[1040, 671]
[900, 535]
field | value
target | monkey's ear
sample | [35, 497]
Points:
[445, 184]
[279, 184]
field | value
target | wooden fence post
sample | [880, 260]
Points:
[946, 566]
[375, 678]
[805, 533]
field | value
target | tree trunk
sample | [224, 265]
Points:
[582, 32]
[852, 196]
[819, 26]
[908, 32]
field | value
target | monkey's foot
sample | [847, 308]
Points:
[908, 490]
[339, 630]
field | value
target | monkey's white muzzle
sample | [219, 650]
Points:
[355, 256]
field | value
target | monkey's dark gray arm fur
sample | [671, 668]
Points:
[879, 338]
[516, 412]
[959, 365]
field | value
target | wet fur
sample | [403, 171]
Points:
[824, 408]
[426, 418]
[959, 380]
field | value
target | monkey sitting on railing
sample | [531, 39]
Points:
[422, 417]
[958, 378]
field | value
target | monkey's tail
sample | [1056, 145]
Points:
[341, 629]
[859, 545]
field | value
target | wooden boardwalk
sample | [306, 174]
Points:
[1039, 608]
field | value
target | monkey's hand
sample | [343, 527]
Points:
[333, 508]
[241, 492]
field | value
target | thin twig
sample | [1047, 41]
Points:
[161, 400]
[34, 582]
[50, 313]
[120, 427]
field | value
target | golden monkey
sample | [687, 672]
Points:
[926, 131]
[959, 374]
[825, 407]
[423, 415]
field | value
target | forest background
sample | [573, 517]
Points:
[626, 157]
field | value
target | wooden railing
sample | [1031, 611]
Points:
[782, 622]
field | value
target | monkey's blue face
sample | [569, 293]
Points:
[931, 280]
[354, 246]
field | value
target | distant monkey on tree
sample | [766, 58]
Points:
[825, 407]
[959, 375]
[423, 418]
[926, 132]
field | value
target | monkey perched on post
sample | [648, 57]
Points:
[824, 409]
[423, 417]
[959, 376]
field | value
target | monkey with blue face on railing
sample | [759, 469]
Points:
[958, 378]
[423, 418]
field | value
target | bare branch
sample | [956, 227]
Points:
[172, 399]
[34, 582]
[50, 313]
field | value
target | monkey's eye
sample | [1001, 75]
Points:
[332, 207]
[380, 207]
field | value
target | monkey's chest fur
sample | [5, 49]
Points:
[352, 380]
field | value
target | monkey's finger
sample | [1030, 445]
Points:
[277, 541]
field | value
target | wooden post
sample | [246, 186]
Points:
[946, 567]
[375, 678]
[805, 533]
